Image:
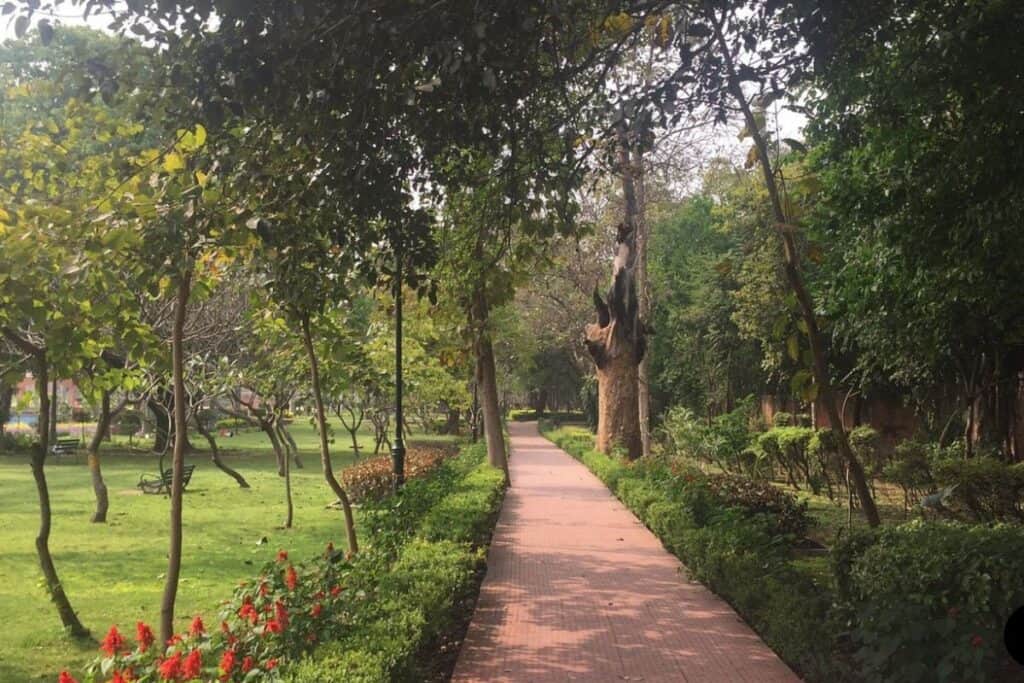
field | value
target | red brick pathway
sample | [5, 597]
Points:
[577, 589]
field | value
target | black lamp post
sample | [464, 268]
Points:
[398, 450]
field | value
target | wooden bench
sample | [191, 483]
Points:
[163, 483]
[64, 447]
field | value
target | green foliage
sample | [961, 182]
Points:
[784, 515]
[987, 488]
[940, 616]
[725, 442]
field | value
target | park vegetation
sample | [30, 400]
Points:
[805, 366]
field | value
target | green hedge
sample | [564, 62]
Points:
[915, 602]
[439, 527]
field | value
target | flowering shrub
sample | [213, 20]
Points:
[274, 618]
[289, 609]
[371, 478]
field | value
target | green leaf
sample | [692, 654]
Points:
[173, 162]
[793, 347]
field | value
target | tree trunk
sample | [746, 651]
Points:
[644, 297]
[325, 453]
[617, 340]
[99, 487]
[54, 587]
[178, 457]
[215, 454]
[486, 377]
[286, 472]
[53, 413]
[291, 448]
[803, 296]
[6, 396]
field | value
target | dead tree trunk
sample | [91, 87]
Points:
[796, 282]
[325, 453]
[486, 377]
[53, 585]
[617, 340]
[178, 457]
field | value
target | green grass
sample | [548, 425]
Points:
[114, 573]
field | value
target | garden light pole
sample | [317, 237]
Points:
[398, 450]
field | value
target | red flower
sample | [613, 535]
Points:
[170, 669]
[247, 611]
[197, 629]
[247, 664]
[291, 579]
[144, 636]
[282, 555]
[271, 664]
[336, 591]
[273, 626]
[224, 627]
[316, 610]
[193, 665]
[119, 678]
[113, 642]
[175, 639]
[65, 677]
[264, 588]
[977, 641]
[227, 661]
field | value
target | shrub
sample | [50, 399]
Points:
[724, 442]
[929, 601]
[372, 478]
[910, 470]
[987, 489]
[787, 516]
[333, 618]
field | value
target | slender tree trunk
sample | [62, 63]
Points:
[178, 457]
[289, 516]
[325, 453]
[68, 618]
[215, 454]
[803, 296]
[643, 298]
[99, 487]
[53, 413]
[486, 376]
[291, 448]
[286, 471]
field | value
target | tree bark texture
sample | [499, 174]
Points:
[617, 341]
[486, 377]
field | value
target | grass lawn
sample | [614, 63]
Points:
[114, 573]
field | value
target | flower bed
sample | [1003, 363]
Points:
[294, 620]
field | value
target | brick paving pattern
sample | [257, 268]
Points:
[577, 589]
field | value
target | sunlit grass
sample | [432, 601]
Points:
[114, 572]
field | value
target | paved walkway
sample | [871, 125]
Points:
[577, 589]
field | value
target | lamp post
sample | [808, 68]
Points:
[398, 449]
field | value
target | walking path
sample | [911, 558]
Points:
[577, 589]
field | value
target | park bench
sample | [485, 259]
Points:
[163, 482]
[64, 447]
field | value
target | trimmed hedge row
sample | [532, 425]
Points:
[915, 602]
[412, 601]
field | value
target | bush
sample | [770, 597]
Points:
[911, 471]
[929, 601]
[787, 516]
[339, 619]
[373, 478]
[987, 489]
[724, 443]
